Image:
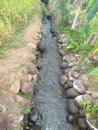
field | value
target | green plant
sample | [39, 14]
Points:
[44, 10]
[91, 111]
[27, 110]
[13, 13]
[92, 10]
[94, 73]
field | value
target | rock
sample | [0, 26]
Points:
[82, 113]
[25, 78]
[10, 107]
[22, 100]
[71, 119]
[72, 58]
[53, 31]
[88, 92]
[70, 84]
[66, 58]
[49, 17]
[66, 86]
[64, 65]
[15, 87]
[71, 78]
[88, 98]
[35, 78]
[72, 93]
[4, 122]
[79, 100]
[21, 118]
[76, 75]
[32, 46]
[61, 49]
[79, 86]
[72, 107]
[65, 71]
[34, 115]
[39, 63]
[31, 69]
[42, 46]
[84, 77]
[94, 95]
[28, 88]
[75, 72]
[11, 112]
[63, 79]
[83, 123]
[62, 38]
[32, 57]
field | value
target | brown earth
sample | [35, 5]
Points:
[13, 74]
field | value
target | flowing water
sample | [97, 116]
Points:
[50, 99]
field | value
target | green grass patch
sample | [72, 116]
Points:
[15, 40]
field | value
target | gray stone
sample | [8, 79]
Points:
[64, 65]
[27, 88]
[79, 86]
[63, 79]
[70, 84]
[39, 63]
[72, 93]
[88, 98]
[83, 123]
[94, 95]
[31, 69]
[82, 113]
[72, 107]
[42, 46]
[66, 86]
[66, 58]
[34, 115]
[71, 78]
[71, 119]
[79, 100]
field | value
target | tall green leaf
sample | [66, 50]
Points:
[92, 10]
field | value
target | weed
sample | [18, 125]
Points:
[26, 110]
[91, 111]
[44, 10]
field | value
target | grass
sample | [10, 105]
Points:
[13, 13]
[16, 25]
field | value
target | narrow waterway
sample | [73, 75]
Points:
[50, 99]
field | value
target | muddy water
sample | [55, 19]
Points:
[50, 99]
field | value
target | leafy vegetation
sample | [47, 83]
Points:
[25, 10]
[93, 9]
[13, 13]
[78, 19]
[91, 111]
[44, 10]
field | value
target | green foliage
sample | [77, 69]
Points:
[84, 51]
[13, 13]
[85, 31]
[87, 108]
[26, 110]
[94, 72]
[92, 10]
[44, 10]
[76, 38]
[91, 111]
[94, 24]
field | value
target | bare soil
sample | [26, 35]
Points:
[13, 70]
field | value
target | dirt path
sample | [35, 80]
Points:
[14, 75]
